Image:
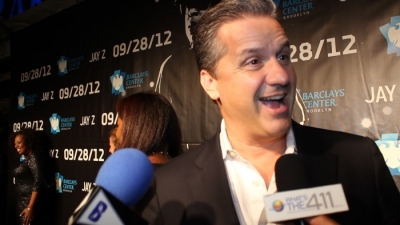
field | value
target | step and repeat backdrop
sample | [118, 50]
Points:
[347, 57]
[70, 69]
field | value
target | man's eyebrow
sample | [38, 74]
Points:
[247, 51]
[252, 50]
[285, 44]
[258, 49]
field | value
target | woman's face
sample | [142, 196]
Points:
[19, 144]
[112, 146]
[118, 133]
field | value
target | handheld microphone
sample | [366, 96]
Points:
[120, 183]
[290, 173]
[295, 199]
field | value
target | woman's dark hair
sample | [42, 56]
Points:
[30, 138]
[149, 124]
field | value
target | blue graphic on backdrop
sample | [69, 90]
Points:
[62, 65]
[21, 101]
[55, 123]
[63, 184]
[117, 82]
[25, 100]
[1, 6]
[135, 79]
[59, 180]
[389, 146]
[58, 123]
[293, 9]
[391, 32]
[15, 7]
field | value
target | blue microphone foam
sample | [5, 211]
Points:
[126, 174]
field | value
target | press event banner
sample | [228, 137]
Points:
[70, 69]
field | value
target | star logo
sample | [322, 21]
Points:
[21, 101]
[391, 32]
[117, 82]
[62, 65]
[55, 123]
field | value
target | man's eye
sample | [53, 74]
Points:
[254, 61]
[283, 57]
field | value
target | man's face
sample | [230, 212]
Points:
[255, 84]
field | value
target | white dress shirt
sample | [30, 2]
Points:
[247, 185]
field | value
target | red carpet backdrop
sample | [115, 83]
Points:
[69, 70]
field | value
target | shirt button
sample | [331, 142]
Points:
[256, 183]
[232, 153]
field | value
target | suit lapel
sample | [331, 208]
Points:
[210, 184]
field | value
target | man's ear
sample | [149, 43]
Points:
[210, 84]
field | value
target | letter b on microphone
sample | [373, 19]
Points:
[98, 211]
[101, 208]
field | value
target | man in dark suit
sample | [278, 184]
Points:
[244, 60]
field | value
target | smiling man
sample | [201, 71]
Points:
[244, 58]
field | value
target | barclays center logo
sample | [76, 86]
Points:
[390, 149]
[321, 101]
[64, 185]
[59, 180]
[391, 32]
[62, 65]
[295, 8]
[21, 101]
[25, 100]
[66, 64]
[117, 82]
[55, 123]
[58, 123]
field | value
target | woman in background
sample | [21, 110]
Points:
[112, 140]
[30, 177]
[147, 121]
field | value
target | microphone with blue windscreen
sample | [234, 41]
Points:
[122, 181]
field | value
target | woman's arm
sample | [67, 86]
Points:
[28, 211]
[35, 166]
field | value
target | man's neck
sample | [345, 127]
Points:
[254, 145]
[261, 153]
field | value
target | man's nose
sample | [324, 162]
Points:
[276, 73]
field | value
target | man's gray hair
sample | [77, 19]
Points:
[208, 49]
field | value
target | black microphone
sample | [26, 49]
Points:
[122, 181]
[295, 198]
[290, 173]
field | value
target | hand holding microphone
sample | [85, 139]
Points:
[121, 182]
[320, 220]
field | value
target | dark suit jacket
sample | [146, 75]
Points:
[194, 189]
